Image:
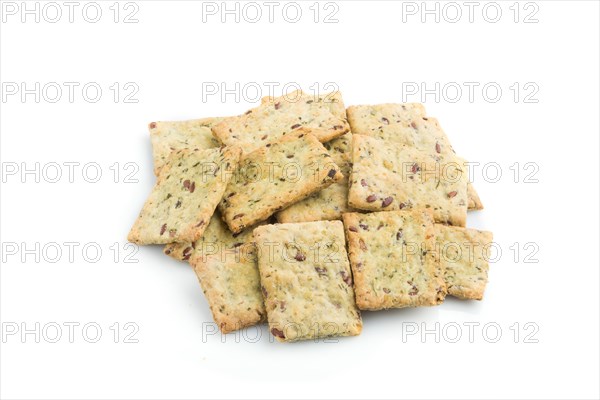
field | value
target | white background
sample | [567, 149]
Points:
[369, 53]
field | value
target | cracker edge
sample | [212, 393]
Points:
[236, 225]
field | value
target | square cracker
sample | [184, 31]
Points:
[463, 254]
[185, 196]
[333, 100]
[217, 236]
[391, 258]
[168, 136]
[277, 117]
[407, 124]
[275, 176]
[306, 279]
[228, 275]
[369, 118]
[389, 176]
[331, 202]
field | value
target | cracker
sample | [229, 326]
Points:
[168, 136]
[392, 259]
[277, 117]
[463, 254]
[389, 176]
[216, 236]
[185, 196]
[407, 124]
[333, 100]
[306, 280]
[331, 202]
[229, 277]
[368, 118]
[474, 200]
[276, 176]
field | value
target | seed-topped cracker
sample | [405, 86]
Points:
[407, 124]
[228, 273]
[169, 136]
[333, 100]
[185, 196]
[389, 176]
[392, 260]
[463, 255]
[275, 176]
[371, 119]
[306, 280]
[331, 202]
[281, 116]
[216, 237]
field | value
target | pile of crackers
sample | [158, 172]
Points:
[302, 213]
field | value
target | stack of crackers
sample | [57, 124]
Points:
[302, 213]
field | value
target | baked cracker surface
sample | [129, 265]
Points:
[216, 236]
[168, 136]
[274, 177]
[389, 176]
[230, 281]
[463, 255]
[331, 202]
[306, 280]
[391, 258]
[407, 124]
[281, 116]
[185, 196]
